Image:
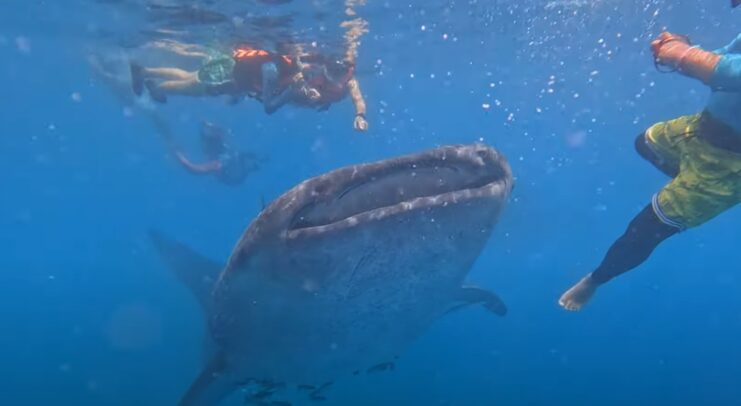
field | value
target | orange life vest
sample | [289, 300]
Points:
[248, 69]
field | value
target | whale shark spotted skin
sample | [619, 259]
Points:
[345, 270]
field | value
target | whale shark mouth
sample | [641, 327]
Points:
[370, 192]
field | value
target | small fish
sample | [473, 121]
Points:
[386, 366]
[317, 395]
[263, 394]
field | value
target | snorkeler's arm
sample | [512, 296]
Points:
[205, 168]
[361, 123]
[271, 101]
[675, 51]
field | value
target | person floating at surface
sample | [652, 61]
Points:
[274, 79]
[333, 79]
[701, 153]
[228, 164]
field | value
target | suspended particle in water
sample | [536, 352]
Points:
[23, 44]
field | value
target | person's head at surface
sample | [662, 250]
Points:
[330, 77]
[213, 140]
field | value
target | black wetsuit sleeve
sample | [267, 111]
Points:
[645, 232]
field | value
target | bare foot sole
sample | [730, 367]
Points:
[578, 296]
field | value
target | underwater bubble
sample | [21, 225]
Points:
[134, 326]
[23, 44]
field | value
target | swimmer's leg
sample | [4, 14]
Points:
[645, 232]
[189, 85]
[167, 73]
[173, 81]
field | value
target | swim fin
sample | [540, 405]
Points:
[735, 3]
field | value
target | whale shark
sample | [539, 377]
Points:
[345, 270]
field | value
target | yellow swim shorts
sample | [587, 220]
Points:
[709, 180]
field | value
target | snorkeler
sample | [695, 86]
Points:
[701, 153]
[274, 79]
[333, 79]
[225, 162]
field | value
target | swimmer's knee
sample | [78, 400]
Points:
[649, 154]
[641, 145]
[269, 109]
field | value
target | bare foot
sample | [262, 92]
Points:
[578, 296]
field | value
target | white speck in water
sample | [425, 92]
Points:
[23, 44]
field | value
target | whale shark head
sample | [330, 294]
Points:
[361, 195]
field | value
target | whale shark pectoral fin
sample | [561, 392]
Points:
[194, 270]
[212, 386]
[470, 295]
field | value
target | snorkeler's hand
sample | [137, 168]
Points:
[360, 124]
[669, 48]
[312, 93]
[308, 92]
[676, 51]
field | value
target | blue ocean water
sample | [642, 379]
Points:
[91, 316]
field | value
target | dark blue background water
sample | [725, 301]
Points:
[90, 316]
